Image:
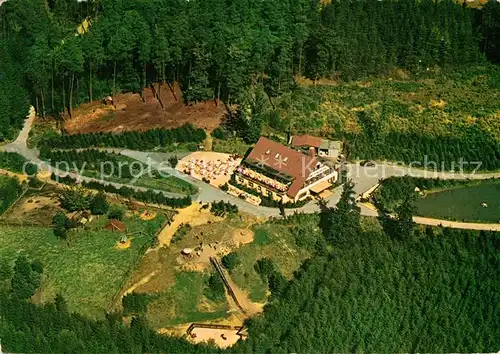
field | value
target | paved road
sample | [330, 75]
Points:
[456, 224]
[363, 177]
[20, 146]
[366, 177]
[208, 193]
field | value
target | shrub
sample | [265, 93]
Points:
[132, 140]
[60, 225]
[135, 303]
[30, 169]
[222, 208]
[99, 205]
[231, 261]
[173, 161]
[181, 232]
[265, 267]
[116, 213]
[5, 270]
[25, 280]
[33, 182]
[74, 199]
[37, 266]
[220, 133]
[148, 196]
[60, 220]
[215, 288]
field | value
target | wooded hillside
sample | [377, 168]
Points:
[217, 48]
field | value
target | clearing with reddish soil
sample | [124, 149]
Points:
[131, 113]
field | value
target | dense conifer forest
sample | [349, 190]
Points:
[57, 54]
[395, 288]
[400, 289]
[392, 287]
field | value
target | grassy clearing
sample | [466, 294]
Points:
[273, 241]
[90, 271]
[180, 291]
[185, 302]
[168, 183]
[463, 203]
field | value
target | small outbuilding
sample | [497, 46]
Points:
[322, 147]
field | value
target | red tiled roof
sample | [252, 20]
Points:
[306, 141]
[284, 160]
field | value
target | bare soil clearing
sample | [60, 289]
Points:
[223, 338]
[242, 237]
[33, 210]
[19, 176]
[141, 282]
[191, 215]
[131, 113]
[124, 245]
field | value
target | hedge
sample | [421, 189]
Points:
[148, 196]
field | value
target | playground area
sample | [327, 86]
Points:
[215, 167]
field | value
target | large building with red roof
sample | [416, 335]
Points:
[283, 174]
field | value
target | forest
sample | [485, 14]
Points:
[398, 289]
[57, 54]
[131, 140]
[367, 288]
[391, 288]
[51, 328]
[10, 190]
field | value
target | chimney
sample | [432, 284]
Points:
[312, 152]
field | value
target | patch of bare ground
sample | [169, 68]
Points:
[192, 215]
[21, 178]
[140, 282]
[208, 334]
[131, 113]
[33, 210]
[242, 237]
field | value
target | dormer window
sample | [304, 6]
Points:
[268, 151]
[285, 159]
[277, 155]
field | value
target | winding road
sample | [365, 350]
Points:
[363, 177]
